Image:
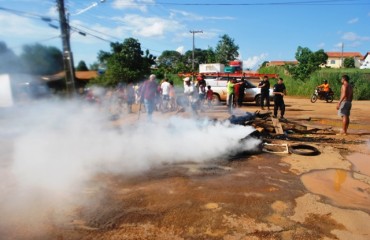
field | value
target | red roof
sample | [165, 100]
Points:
[344, 54]
[80, 75]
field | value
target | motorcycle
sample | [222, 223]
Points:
[319, 94]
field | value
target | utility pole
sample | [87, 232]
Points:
[342, 62]
[194, 32]
[67, 53]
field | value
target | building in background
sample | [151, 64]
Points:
[336, 59]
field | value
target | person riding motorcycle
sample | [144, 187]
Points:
[325, 88]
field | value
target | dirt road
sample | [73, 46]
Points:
[261, 196]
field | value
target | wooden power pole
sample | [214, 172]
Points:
[67, 53]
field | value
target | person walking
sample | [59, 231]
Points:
[130, 94]
[172, 94]
[148, 94]
[279, 93]
[345, 103]
[265, 92]
[165, 90]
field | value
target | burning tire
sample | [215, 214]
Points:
[305, 150]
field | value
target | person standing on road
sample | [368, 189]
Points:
[172, 94]
[165, 89]
[265, 92]
[279, 92]
[130, 94]
[209, 96]
[345, 103]
[241, 93]
[165, 86]
[230, 94]
[148, 94]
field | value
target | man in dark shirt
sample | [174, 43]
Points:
[241, 93]
[279, 92]
[265, 92]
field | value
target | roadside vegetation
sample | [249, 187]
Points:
[127, 62]
[359, 78]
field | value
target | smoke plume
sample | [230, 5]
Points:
[50, 149]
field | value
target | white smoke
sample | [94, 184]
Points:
[53, 148]
[64, 144]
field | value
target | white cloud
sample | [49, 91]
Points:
[321, 45]
[352, 21]
[338, 45]
[351, 36]
[180, 49]
[194, 17]
[149, 27]
[255, 61]
[132, 4]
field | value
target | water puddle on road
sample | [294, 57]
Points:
[360, 162]
[340, 187]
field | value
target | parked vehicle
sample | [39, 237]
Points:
[319, 94]
[218, 84]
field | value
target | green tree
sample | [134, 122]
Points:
[81, 66]
[226, 50]
[210, 55]
[126, 62]
[42, 60]
[170, 62]
[94, 66]
[349, 63]
[308, 63]
[9, 62]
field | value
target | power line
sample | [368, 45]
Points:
[76, 29]
[318, 2]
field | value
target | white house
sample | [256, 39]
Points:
[366, 61]
[336, 59]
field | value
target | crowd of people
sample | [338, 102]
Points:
[197, 96]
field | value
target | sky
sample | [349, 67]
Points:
[264, 30]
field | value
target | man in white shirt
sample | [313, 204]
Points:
[165, 86]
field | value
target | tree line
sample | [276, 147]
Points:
[127, 62]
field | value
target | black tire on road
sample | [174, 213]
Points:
[330, 99]
[305, 150]
[313, 98]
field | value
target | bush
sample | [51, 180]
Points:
[360, 80]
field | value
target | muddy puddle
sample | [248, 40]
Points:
[349, 189]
